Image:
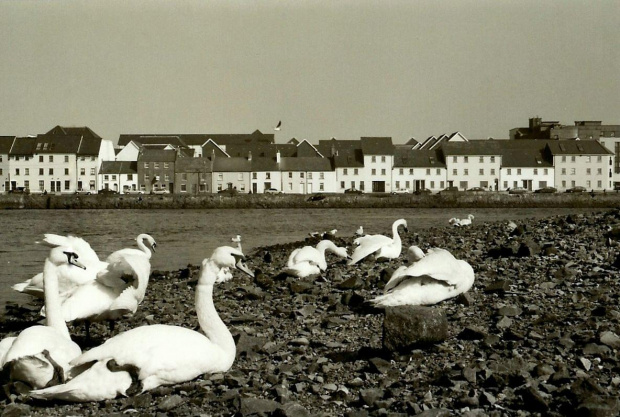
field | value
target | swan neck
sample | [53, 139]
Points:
[142, 246]
[208, 318]
[395, 231]
[53, 314]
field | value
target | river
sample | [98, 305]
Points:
[187, 236]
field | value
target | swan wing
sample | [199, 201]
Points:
[5, 346]
[420, 290]
[302, 269]
[368, 245]
[307, 253]
[88, 301]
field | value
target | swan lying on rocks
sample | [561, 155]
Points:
[306, 261]
[146, 357]
[379, 245]
[435, 277]
[39, 356]
[461, 222]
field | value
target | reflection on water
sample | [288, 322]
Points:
[187, 236]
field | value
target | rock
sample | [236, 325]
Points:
[170, 402]
[291, 409]
[379, 365]
[300, 287]
[597, 406]
[504, 323]
[352, 283]
[407, 326]
[528, 248]
[610, 339]
[254, 406]
[16, 410]
[498, 286]
[510, 311]
[471, 333]
[533, 400]
[464, 299]
[371, 396]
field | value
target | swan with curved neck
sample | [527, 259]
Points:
[40, 355]
[379, 245]
[310, 260]
[435, 277]
[158, 354]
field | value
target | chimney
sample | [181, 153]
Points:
[249, 155]
[278, 157]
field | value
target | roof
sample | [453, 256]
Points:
[261, 149]
[377, 145]
[157, 155]
[577, 147]
[73, 131]
[23, 146]
[311, 164]
[332, 147]
[118, 167]
[201, 138]
[79, 140]
[471, 148]
[193, 165]
[525, 153]
[5, 144]
[262, 164]
[405, 157]
[232, 164]
[157, 140]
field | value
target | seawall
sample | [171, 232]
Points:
[216, 201]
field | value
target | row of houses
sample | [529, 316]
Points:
[71, 159]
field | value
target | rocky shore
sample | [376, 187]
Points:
[376, 200]
[538, 334]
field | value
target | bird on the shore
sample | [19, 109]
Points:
[309, 260]
[237, 240]
[454, 222]
[360, 231]
[74, 276]
[40, 355]
[117, 290]
[462, 222]
[146, 357]
[379, 245]
[278, 126]
[435, 277]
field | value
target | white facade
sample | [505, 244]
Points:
[467, 171]
[264, 180]
[527, 177]
[377, 173]
[350, 177]
[589, 171]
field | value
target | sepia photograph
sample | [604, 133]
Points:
[311, 208]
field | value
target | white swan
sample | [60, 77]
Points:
[381, 246]
[434, 278]
[40, 355]
[306, 261]
[158, 354]
[461, 222]
[118, 289]
[360, 231]
[72, 277]
[454, 222]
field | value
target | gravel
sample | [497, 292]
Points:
[538, 333]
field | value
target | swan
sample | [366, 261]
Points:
[381, 246]
[309, 260]
[454, 222]
[39, 356]
[73, 276]
[461, 222]
[158, 354]
[237, 240]
[117, 290]
[435, 277]
[360, 231]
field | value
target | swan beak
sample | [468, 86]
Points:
[153, 246]
[406, 229]
[242, 267]
[77, 263]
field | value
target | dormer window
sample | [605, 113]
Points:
[39, 146]
[45, 146]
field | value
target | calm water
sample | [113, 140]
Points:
[187, 236]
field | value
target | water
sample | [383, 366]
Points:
[188, 236]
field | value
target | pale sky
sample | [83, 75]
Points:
[341, 69]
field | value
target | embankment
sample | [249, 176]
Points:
[450, 200]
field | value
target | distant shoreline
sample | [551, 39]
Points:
[267, 201]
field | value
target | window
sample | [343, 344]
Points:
[92, 171]
[588, 171]
[167, 178]
[438, 172]
[481, 171]
[341, 184]
[352, 184]
[254, 175]
[1, 173]
[518, 171]
[563, 159]
[588, 184]
[492, 171]
[572, 183]
[183, 188]
[428, 171]
[383, 171]
[546, 171]
[268, 175]
[432, 184]
[374, 171]
[454, 172]
[373, 159]
[51, 171]
[481, 160]
[407, 184]
[290, 186]
[355, 171]
[184, 176]
[146, 165]
[146, 177]
[155, 165]
[563, 184]
[599, 159]
[16, 171]
[441, 184]
[455, 159]
[599, 184]
[82, 171]
[27, 184]
[290, 175]
[67, 185]
[40, 158]
[321, 187]
[301, 175]
[239, 177]
[309, 175]
[166, 165]
[535, 171]
[26, 171]
[400, 171]
[220, 177]
[410, 171]
[492, 159]
[51, 158]
[41, 185]
[505, 184]
[572, 159]
[466, 159]
[588, 159]
[465, 171]
[509, 171]
[66, 158]
[66, 171]
[572, 171]
[106, 177]
[599, 171]
[397, 185]
[563, 171]
[322, 176]
[383, 159]
[129, 177]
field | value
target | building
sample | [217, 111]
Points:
[474, 163]
[416, 170]
[193, 175]
[585, 163]
[526, 164]
[156, 169]
[231, 173]
[120, 176]
[378, 153]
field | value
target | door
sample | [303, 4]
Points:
[378, 186]
[310, 188]
[254, 188]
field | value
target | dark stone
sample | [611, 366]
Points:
[464, 299]
[407, 326]
[379, 365]
[371, 396]
[533, 400]
[16, 410]
[499, 286]
[291, 410]
[528, 248]
[252, 406]
[262, 280]
[352, 283]
[299, 287]
[471, 333]
[599, 407]
[169, 403]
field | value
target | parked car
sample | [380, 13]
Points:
[272, 191]
[229, 191]
[546, 190]
[423, 191]
[577, 189]
[160, 191]
[19, 190]
[401, 191]
[451, 189]
[82, 191]
[477, 189]
[353, 191]
[107, 191]
[617, 187]
[518, 190]
[134, 192]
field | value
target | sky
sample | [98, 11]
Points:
[325, 68]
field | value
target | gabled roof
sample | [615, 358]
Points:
[5, 144]
[200, 139]
[471, 148]
[405, 157]
[83, 131]
[119, 167]
[58, 144]
[262, 150]
[412, 142]
[200, 165]
[78, 140]
[377, 145]
[349, 159]
[262, 164]
[306, 149]
[232, 164]
[306, 164]
[155, 140]
[23, 146]
[577, 147]
[524, 153]
[332, 147]
[156, 155]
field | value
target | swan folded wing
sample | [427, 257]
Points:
[5, 346]
[438, 264]
[307, 253]
[303, 269]
[419, 290]
[369, 245]
[88, 302]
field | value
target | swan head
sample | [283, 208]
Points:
[65, 256]
[224, 259]
[414, 254]
[149, 240]
[470, 216]
[401, 222]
